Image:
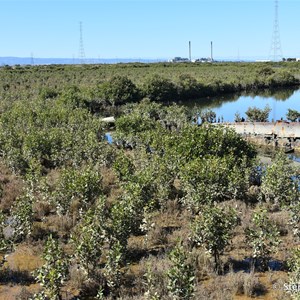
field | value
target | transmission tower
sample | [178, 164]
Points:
[31, 59]
[81, 48]
[276, 52]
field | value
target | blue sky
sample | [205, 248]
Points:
[147, 29]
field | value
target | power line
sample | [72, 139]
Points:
[31, 59]
[276, 51]
[81, 48]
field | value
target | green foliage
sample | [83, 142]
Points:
[47, 93]
[39, 296]
[158, 88]
[265, 71]
[100, 294]
[208, 116]
[22, 213]
[294, 274]
[127, 213]
[71, 97]
[117, 90]
[51, 133]
[294, 221]
[3, 242]
[147, 123]
[282, 78]
[134, 125]
[112, 270]
[278, 186]
[212, 229]
[181, 275]
[82, 185]
[89, 237]
[293, 115]
[210, 179]
[255, 114]
[194, 142]
[123, 166]
[237, 117]
[188, 87]
[54, 271]
[263, 238]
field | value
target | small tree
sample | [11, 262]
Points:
[157, 88]
[294, 274]
[188, 87]
[255, 114]
[263, 237]
[89, 237]
[238, 118]
[22, 213]
[293, 115]
[181, 275]
[3, 241]
[83, 185]
[54, 271]
[295, 219]
[208, 116]
[118, 90]
[278, 186]
[123, 166]
[112, 270]
[212, 228]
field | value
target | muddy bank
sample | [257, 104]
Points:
[268, 160]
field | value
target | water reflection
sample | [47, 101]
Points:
[277, 94]
[226, 106]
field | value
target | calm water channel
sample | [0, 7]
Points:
[228, 105]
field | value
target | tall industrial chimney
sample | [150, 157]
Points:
[190, 51]
[211, 51]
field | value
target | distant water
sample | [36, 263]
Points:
[226, 106]
[11, 61]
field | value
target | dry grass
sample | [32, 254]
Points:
[61, 224]
[280, 219]
[109, 179]
[18, 292]
[77, 277]
[41, 209]
[24, 258]
[11, 187]
[252, 285]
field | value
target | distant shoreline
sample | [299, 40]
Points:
[11, 61]
[14, 60]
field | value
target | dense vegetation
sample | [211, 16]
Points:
[170, 210]
[130, 82]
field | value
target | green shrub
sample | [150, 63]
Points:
[278, 186]
[118, 90]
[255, 114]
[263, 238]
[157, 88]
[181, 275]
[293, 115]
[212, 229]
[188, 87]
[54, 271]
